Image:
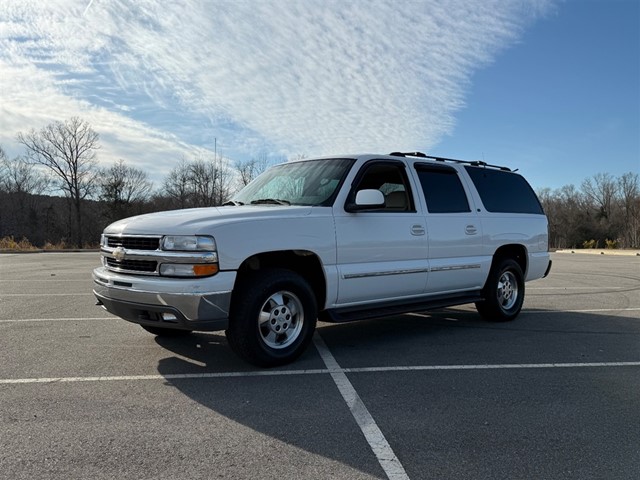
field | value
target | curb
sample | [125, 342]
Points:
[597, 251]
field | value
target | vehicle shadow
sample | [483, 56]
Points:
[305, 410]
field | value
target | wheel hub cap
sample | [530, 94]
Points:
[507, 290]
[280, 319]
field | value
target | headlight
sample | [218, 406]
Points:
[104, 241]
[189, 243]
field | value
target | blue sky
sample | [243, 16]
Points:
[549, 87]
[563, 103]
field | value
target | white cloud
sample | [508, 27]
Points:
[312, 76]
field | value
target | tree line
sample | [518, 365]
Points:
[604, 212]
[56, 193]
[61, 158]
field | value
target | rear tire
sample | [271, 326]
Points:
[503, 292]
[272, 318]
[166, 332]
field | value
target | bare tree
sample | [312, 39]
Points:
[21, 177]
[222, 181]
[21, 184]
[68, 149]
[3, 159]
[122, 188]
[199, 183]
[202, 177]
[177, 185]
[250, 169]
[601, 190]
[629, 188]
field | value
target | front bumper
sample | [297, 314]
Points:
[187, 304]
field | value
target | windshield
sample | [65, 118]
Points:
[309, 182]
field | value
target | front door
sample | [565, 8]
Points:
[382, 253]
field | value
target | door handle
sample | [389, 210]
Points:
[470, 230]
[417, 230]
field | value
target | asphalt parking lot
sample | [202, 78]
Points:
[552, 395]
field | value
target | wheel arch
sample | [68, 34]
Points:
[515, 251]
[305, 263]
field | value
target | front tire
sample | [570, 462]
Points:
[272, 318]
[503, 292]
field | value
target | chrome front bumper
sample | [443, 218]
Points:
[188, 304]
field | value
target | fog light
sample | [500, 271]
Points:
[169, 317]
[188, 270]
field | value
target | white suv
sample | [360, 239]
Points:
[335, 238]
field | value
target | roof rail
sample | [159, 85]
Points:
[475, 163]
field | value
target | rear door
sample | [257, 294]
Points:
[454, 231]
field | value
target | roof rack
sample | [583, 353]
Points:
[475, 163]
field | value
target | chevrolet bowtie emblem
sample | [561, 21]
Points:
[119, 254]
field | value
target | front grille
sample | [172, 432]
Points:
[134, 243]
[133, 265]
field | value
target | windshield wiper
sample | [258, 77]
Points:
[270, 201]
[233, 203]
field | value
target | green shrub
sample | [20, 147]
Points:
[590, 244]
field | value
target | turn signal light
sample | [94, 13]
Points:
[203, 270]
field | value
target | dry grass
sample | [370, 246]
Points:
[9, 243]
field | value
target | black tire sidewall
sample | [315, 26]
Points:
[253, 292]
[491, 307]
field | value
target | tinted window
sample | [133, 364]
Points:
[391, 179]
[502, 191]
[442, 190]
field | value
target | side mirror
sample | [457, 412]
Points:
[368, 199]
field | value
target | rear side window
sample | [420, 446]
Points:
[442, 189]
[505, 192]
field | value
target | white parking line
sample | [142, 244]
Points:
[591, 310]
[177, 376]
[586, 287]
[51, 280]
[374, 436]
[423, 315]
[46, 294]
[419, 368]
[275, 373]
[80, 319]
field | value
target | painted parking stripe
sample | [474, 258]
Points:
[591, 310]
[508, 366]
[372, 433]
[177, 376]
[46, 294]
[319, 371]
[78, 319]
[584, 287]
[424, 315]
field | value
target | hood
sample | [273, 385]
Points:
[195, 221]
